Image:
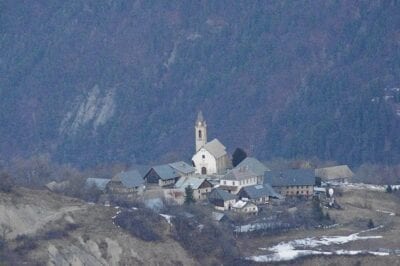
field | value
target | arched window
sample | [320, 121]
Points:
[200, 135]
[203, 171]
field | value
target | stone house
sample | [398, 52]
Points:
[163, 175]
[255, 166]
[338, 174]
[201, 187]
[258, 194]
[293, 182]
[126, 182]
[221, 199]
[246, 207]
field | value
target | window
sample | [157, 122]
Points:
[200, 134]
[233, 183]
[203, 156]
[224, 182]
[203, 171]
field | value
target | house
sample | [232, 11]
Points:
[256, 166]
[182, 168]
[221, 199]
[200, 186]
[339, 174]
[99, 183]
[163, 175]
[293, 182]
[243, 206]
[237, 178]
[126, 182]
[210, 157]
[258, 194]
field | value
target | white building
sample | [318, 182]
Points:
[238, 178]
[211, 157]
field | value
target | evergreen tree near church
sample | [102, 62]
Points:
[238, 156]
[189, 199]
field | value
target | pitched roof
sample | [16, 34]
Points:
[100, 183]
[239, 173]
[192, 181]
[221, 195]
[334, 172]
[129, 179]
[215, 148]
[240, 204]
[258, 191]
[182, 167]
[165, 172]
[292, 177]
[254, 165]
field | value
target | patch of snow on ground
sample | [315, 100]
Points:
[361, 186]
[291, 250]
[167, 217]
[387, 212]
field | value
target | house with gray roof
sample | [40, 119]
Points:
[292, 182]
[201, 186]
[237, 178]
[163, 175]
[183, 168]
[126, 182]
[254, 165]
[221, 199]
[339, 173]
[258, 194]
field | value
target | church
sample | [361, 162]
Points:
[210, 157]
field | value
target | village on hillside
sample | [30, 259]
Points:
[248, 187]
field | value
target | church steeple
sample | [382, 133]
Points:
[200, 131]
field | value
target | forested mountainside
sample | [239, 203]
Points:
[94, 81]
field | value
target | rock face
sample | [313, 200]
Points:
[92, 82]
[39, 215]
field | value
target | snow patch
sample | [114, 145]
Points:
[167, 217]
[291, 250]
[387, 212]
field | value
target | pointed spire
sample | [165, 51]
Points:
[200, 117]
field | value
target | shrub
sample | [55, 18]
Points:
[140, 223]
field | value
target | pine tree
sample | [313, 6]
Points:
[238, 156]
[189, 199]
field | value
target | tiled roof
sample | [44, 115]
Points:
[254, 165]
[292, 177]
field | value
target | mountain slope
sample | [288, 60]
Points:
[96, 81]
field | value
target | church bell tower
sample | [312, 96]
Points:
[200, 131]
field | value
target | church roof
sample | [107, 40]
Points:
[215, 148]
[254, 165]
